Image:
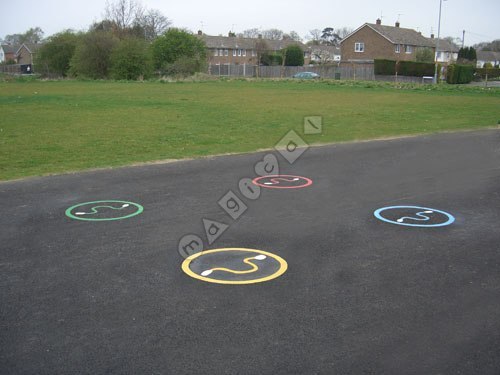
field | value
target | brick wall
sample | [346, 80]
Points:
[376, 47]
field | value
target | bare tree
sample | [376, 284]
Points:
[251, 33]
[293, 35]
[344, 31]
[261, 47]
[272, 34]
[124, 13]
[314, 37]
[154, 24]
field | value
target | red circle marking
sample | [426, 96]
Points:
[308, 181]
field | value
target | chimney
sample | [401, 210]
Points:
[379, 21]
[397, 23]
[200, 32]
[432, 36]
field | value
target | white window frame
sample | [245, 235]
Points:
[221, 52]
[359, 47]
[244, 52]
[240, 52]
[253, 53]
[234, 51]
[216, 52]
[408, 49]
[226, 52]
[398, 48]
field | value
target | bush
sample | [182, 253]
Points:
[403, 68]
[385, 67]
[55, 55]
[184, 66]
[425, 55]
[176, 47]
[131, 60]
[92, 58]
[416, 69]
[491, 72]
[458, 74]
[271, 59]
[294, 56]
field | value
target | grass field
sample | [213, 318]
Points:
[58, 126]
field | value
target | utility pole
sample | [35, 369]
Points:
[437, 45]
[463, 38]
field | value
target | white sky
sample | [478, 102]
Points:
[479, 19]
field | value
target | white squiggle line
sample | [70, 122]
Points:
[421, 214]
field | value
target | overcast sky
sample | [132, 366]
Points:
[479, 19]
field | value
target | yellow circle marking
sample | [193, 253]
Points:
[282, 269]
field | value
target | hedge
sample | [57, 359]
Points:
[491, 72]
[460, 74]
[404, 68]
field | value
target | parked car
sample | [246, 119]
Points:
[306, 75]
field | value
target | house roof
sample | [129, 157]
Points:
[331, 49]
[397, 35]
[444, 45]
[229, 42]
[488, 55]
[31, 47]
[9, 48]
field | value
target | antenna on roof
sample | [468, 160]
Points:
[399, 16]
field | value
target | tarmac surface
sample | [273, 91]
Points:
[328, 286]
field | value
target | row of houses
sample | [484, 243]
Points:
[23, 54]
[368, 42]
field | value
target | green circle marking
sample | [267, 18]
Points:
[70, 215]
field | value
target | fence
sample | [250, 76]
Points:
[11, 69]
[348, 71]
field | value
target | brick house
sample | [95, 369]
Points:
[233, 50]
[26, 53]
[447, 52]
[8, 52]
[377, 41]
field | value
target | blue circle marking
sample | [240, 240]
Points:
[418, 217]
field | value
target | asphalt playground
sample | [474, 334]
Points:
[378, 257]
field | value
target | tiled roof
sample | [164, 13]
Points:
[444, 45]
[400, 35]
[32, 47]
[488, 55]
[228, 42]
[8, 48]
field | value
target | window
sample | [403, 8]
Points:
[221, 52]
[398, 48]
[216, 52]
[438, 55]
[359, 47]
[253, 53]
[240, 52]
[244, 52]
[234, 52]
[226, 52]
[408, 49]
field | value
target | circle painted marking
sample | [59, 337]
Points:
[234, 265]
[111, 205]
[274, 181]
[418, 218]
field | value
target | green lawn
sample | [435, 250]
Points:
[58, 126]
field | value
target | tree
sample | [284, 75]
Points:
[488, 46]
[467, 55]
[55, 55]
[261, 48]
[425, 55]
[92, 56]
[33, 35]
[131, 59]
[294, 56]
[154, 23]
[272, 34]
[314, 37]
[293, 35]
[175, 48]
[344, 31]
[330, 37]
[124, 13]
[251, 33]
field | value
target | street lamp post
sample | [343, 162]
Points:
[437, 44]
